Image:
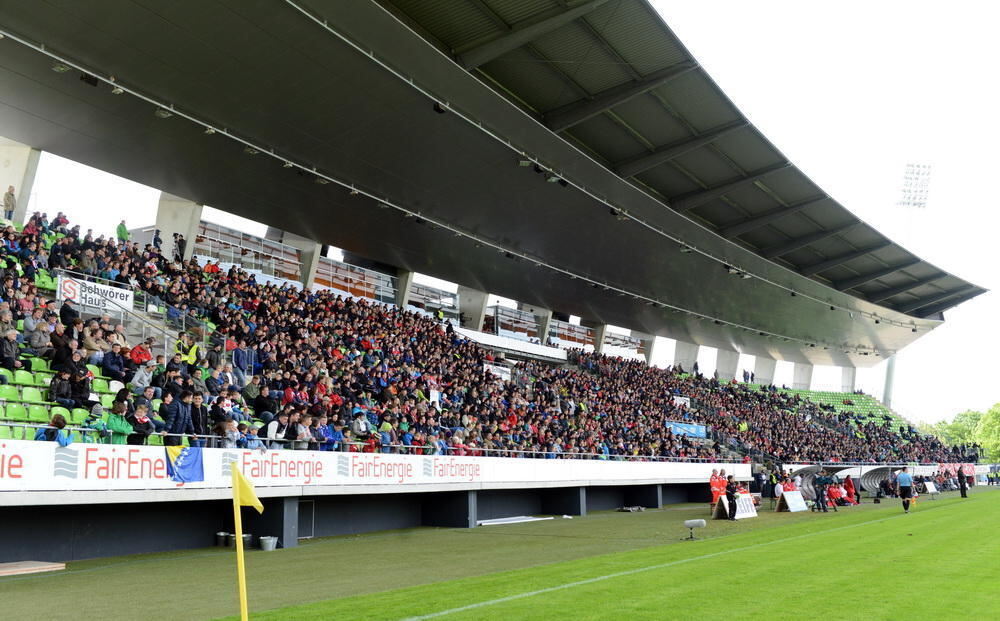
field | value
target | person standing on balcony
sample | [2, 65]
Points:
[9, 203]
[122, 232]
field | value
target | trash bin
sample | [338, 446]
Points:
[247, 540]
[268, 544]
[221, 539]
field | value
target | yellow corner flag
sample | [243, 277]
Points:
[243, 496]
[243, 493]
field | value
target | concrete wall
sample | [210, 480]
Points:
[177, 215]
[18, 165]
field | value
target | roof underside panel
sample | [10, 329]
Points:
[611, 49]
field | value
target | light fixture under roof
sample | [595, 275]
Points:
[286, 164]
[163, 113]
[59, 67]
[209, 131]
[686, 249]
[250, 150]
[322, 180]
[117, 90]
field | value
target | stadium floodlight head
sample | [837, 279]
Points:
[691, 525]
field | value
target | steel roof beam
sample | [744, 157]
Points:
[691, 200]
[857, 281]
[822, 266]
[933, 309]
[641, 163]
[801, 242]
[768, 217]
[480, 55]
[569, 115]
[932, 299]
[885, 294]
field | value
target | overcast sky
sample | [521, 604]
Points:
[850, 93]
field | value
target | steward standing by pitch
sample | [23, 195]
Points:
[820, 483]
[904, 486]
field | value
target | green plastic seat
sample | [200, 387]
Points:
[155, 405]
[78, 415]
[7, 373]
[43, 379]
[40, 364]
[16, 411]
[93, 368]
[99, 385]
[61, 410]
[20, 325]
[107, 400]
[6, 433]
[9, 393]
[24, 377]
[31, 394]
[38, 414]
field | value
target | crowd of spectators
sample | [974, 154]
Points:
[320, 370]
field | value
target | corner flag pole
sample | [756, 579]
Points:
[241, 575]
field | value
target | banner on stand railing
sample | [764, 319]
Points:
[93, 295]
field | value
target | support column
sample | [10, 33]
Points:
[18, 165]
[404, 282]
[280, 519]
[177, 215]
[565, 501]
[648, 341]
[451, 510]
[847, 378]
[890, 377]
[543, 318]
[472, 307]
[763, 370]
[685, 355]
[309, 254]
[802, 375]
[600, 330]
[726, 361]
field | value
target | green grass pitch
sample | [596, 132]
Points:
[869, 562]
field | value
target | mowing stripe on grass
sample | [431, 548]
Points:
[638, 570]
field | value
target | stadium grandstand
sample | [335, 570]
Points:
[463, 140]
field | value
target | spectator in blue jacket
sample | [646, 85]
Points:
[241, 362]
[177, 417]
[113, 364]
[54, 432]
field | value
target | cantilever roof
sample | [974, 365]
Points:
[610, 77]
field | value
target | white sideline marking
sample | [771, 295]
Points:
[638, 570]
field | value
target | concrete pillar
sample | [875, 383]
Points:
[726, 361]
[648, 341]
[600, 331]
[472, 307]
[309, 254]
[451, 510]
[280, 519]
[565, 501]
[802, 376]
[543, 319]
[177, 215]
[763, 370]
[18, 165]
[649, 496]
[404, 282]
[685, 355]
[847, 378]
[890, 377]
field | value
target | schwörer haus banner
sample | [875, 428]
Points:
[93, 295]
